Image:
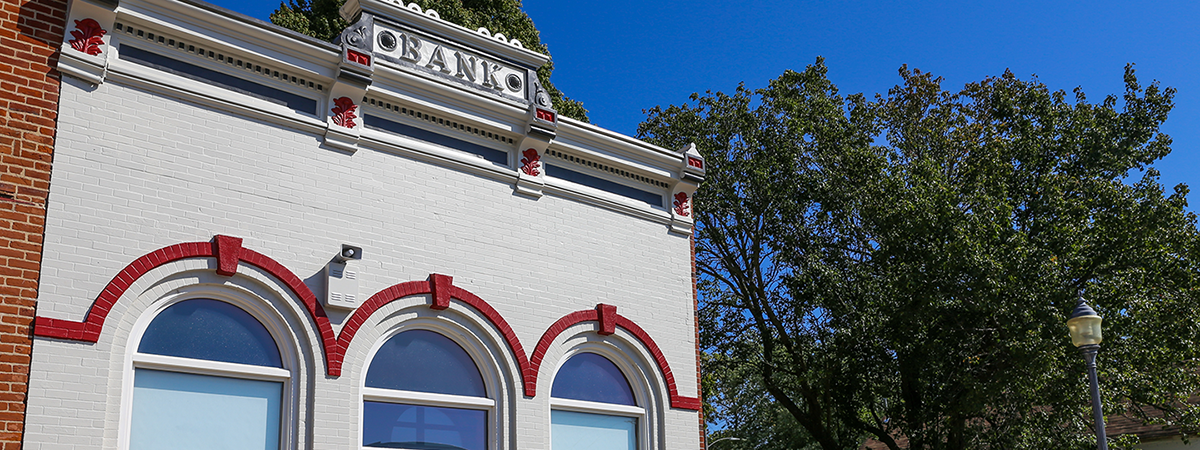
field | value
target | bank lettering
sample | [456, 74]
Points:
[458, 63]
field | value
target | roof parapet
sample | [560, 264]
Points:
[429, 20]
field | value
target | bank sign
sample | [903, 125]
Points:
[416, 50]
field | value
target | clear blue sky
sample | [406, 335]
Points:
[621, 56]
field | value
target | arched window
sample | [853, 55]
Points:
[206, 375]
[593, 406]
[423, 391]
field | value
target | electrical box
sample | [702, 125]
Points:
[341, 279]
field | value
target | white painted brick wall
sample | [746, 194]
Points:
[136, 171]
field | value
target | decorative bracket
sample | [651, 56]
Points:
[607, 316]
[691, 175]
[343, 123]
[539, 132]
[84, 52]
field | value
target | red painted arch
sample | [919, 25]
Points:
[442, 289]
[598, 315]
[226, 249]
[229, 252]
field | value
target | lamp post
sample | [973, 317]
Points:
[710, 444]
[1084, 325]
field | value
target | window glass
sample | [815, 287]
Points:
[425, 361]
[212, 330]
[593, 378]
[583, 431]
[395, 425]
[182, 411]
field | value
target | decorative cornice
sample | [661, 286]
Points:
[497, 44]
[210, 24]
[332, 74]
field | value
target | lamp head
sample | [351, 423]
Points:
[1084, 325]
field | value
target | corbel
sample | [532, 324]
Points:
[85, 48]
[540, 130]
[691, 174]
[343, 122]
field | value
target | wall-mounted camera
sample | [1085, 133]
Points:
[349, 252]
[341, 278]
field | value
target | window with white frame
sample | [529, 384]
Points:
[207, 375]
[424, 392]
[592, 406]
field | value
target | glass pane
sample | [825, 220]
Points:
[212, 330]
[591, 377]
[582, 431]
[425, 361]
[183, 411]
[393, 425]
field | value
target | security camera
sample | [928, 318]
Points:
[349, 252]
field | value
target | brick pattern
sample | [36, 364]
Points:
[30, 35]
[1119, 425]
[136, 171]
[594, 315]
[543, 345]
[439, 287]
[89, 330]
[227, 253]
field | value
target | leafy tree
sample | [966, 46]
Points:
[901, 268]
[735, 396]
[320, 19]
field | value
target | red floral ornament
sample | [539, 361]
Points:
[343, 112]
[531, 162]
[89, 36]
[681, 204]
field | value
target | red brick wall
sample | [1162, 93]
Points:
[30, 34]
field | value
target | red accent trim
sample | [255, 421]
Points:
[539, 352]
[436, 284]
[89, 36]
[89, 330]
[545, 115]
[696, 162]
[441, 286]
[531, 162]
[528, 375]
[681, 204]
[577, 317]
[297, 286]
[357, 57]
[227, 250]
[372, 304]
[343, 112]
[607, 315]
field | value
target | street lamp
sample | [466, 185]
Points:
[710, 444]
[1085, 334]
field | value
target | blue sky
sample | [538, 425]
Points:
[620, 57]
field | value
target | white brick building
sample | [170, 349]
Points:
[209, 170]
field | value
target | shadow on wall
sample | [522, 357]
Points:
[41, 23]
